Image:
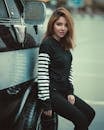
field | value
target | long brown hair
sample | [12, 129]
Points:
[68, 40]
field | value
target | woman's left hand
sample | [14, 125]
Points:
[48, 113]
[71, 99]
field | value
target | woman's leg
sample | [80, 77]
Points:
[88, 111]
[71, 112]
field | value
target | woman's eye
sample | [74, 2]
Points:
[66, 25]
[59, 24]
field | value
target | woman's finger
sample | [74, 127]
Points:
[48, 113]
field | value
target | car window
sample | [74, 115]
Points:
[3, 12]
[14, 12]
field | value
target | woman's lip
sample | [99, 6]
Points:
[62, 33]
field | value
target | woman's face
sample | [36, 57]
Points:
[60, 28]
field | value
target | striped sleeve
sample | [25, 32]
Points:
[70, 76]
[43, 76]
[71, 90]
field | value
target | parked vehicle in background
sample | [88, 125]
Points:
[94, 6]
[98, 5]
[19, 46]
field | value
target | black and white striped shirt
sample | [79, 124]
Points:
[54, 64]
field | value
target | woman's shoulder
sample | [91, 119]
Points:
[46, 45]
[47, 41]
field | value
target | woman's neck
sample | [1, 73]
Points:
[57, 38]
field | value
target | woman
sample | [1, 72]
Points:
[55, 89]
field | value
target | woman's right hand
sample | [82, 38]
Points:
[71, 99]
[48, 112]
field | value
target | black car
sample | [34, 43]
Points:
[19, 46]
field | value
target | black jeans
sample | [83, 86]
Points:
[81, 114]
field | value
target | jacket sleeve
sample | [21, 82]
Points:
[43, 77]
[71, 88]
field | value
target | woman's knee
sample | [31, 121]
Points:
[81, 122]
[91, 115]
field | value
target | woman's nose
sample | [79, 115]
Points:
[63, 27]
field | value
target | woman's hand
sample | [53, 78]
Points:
[71, 99]
[48, 113]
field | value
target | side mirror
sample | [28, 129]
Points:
[35, 12]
